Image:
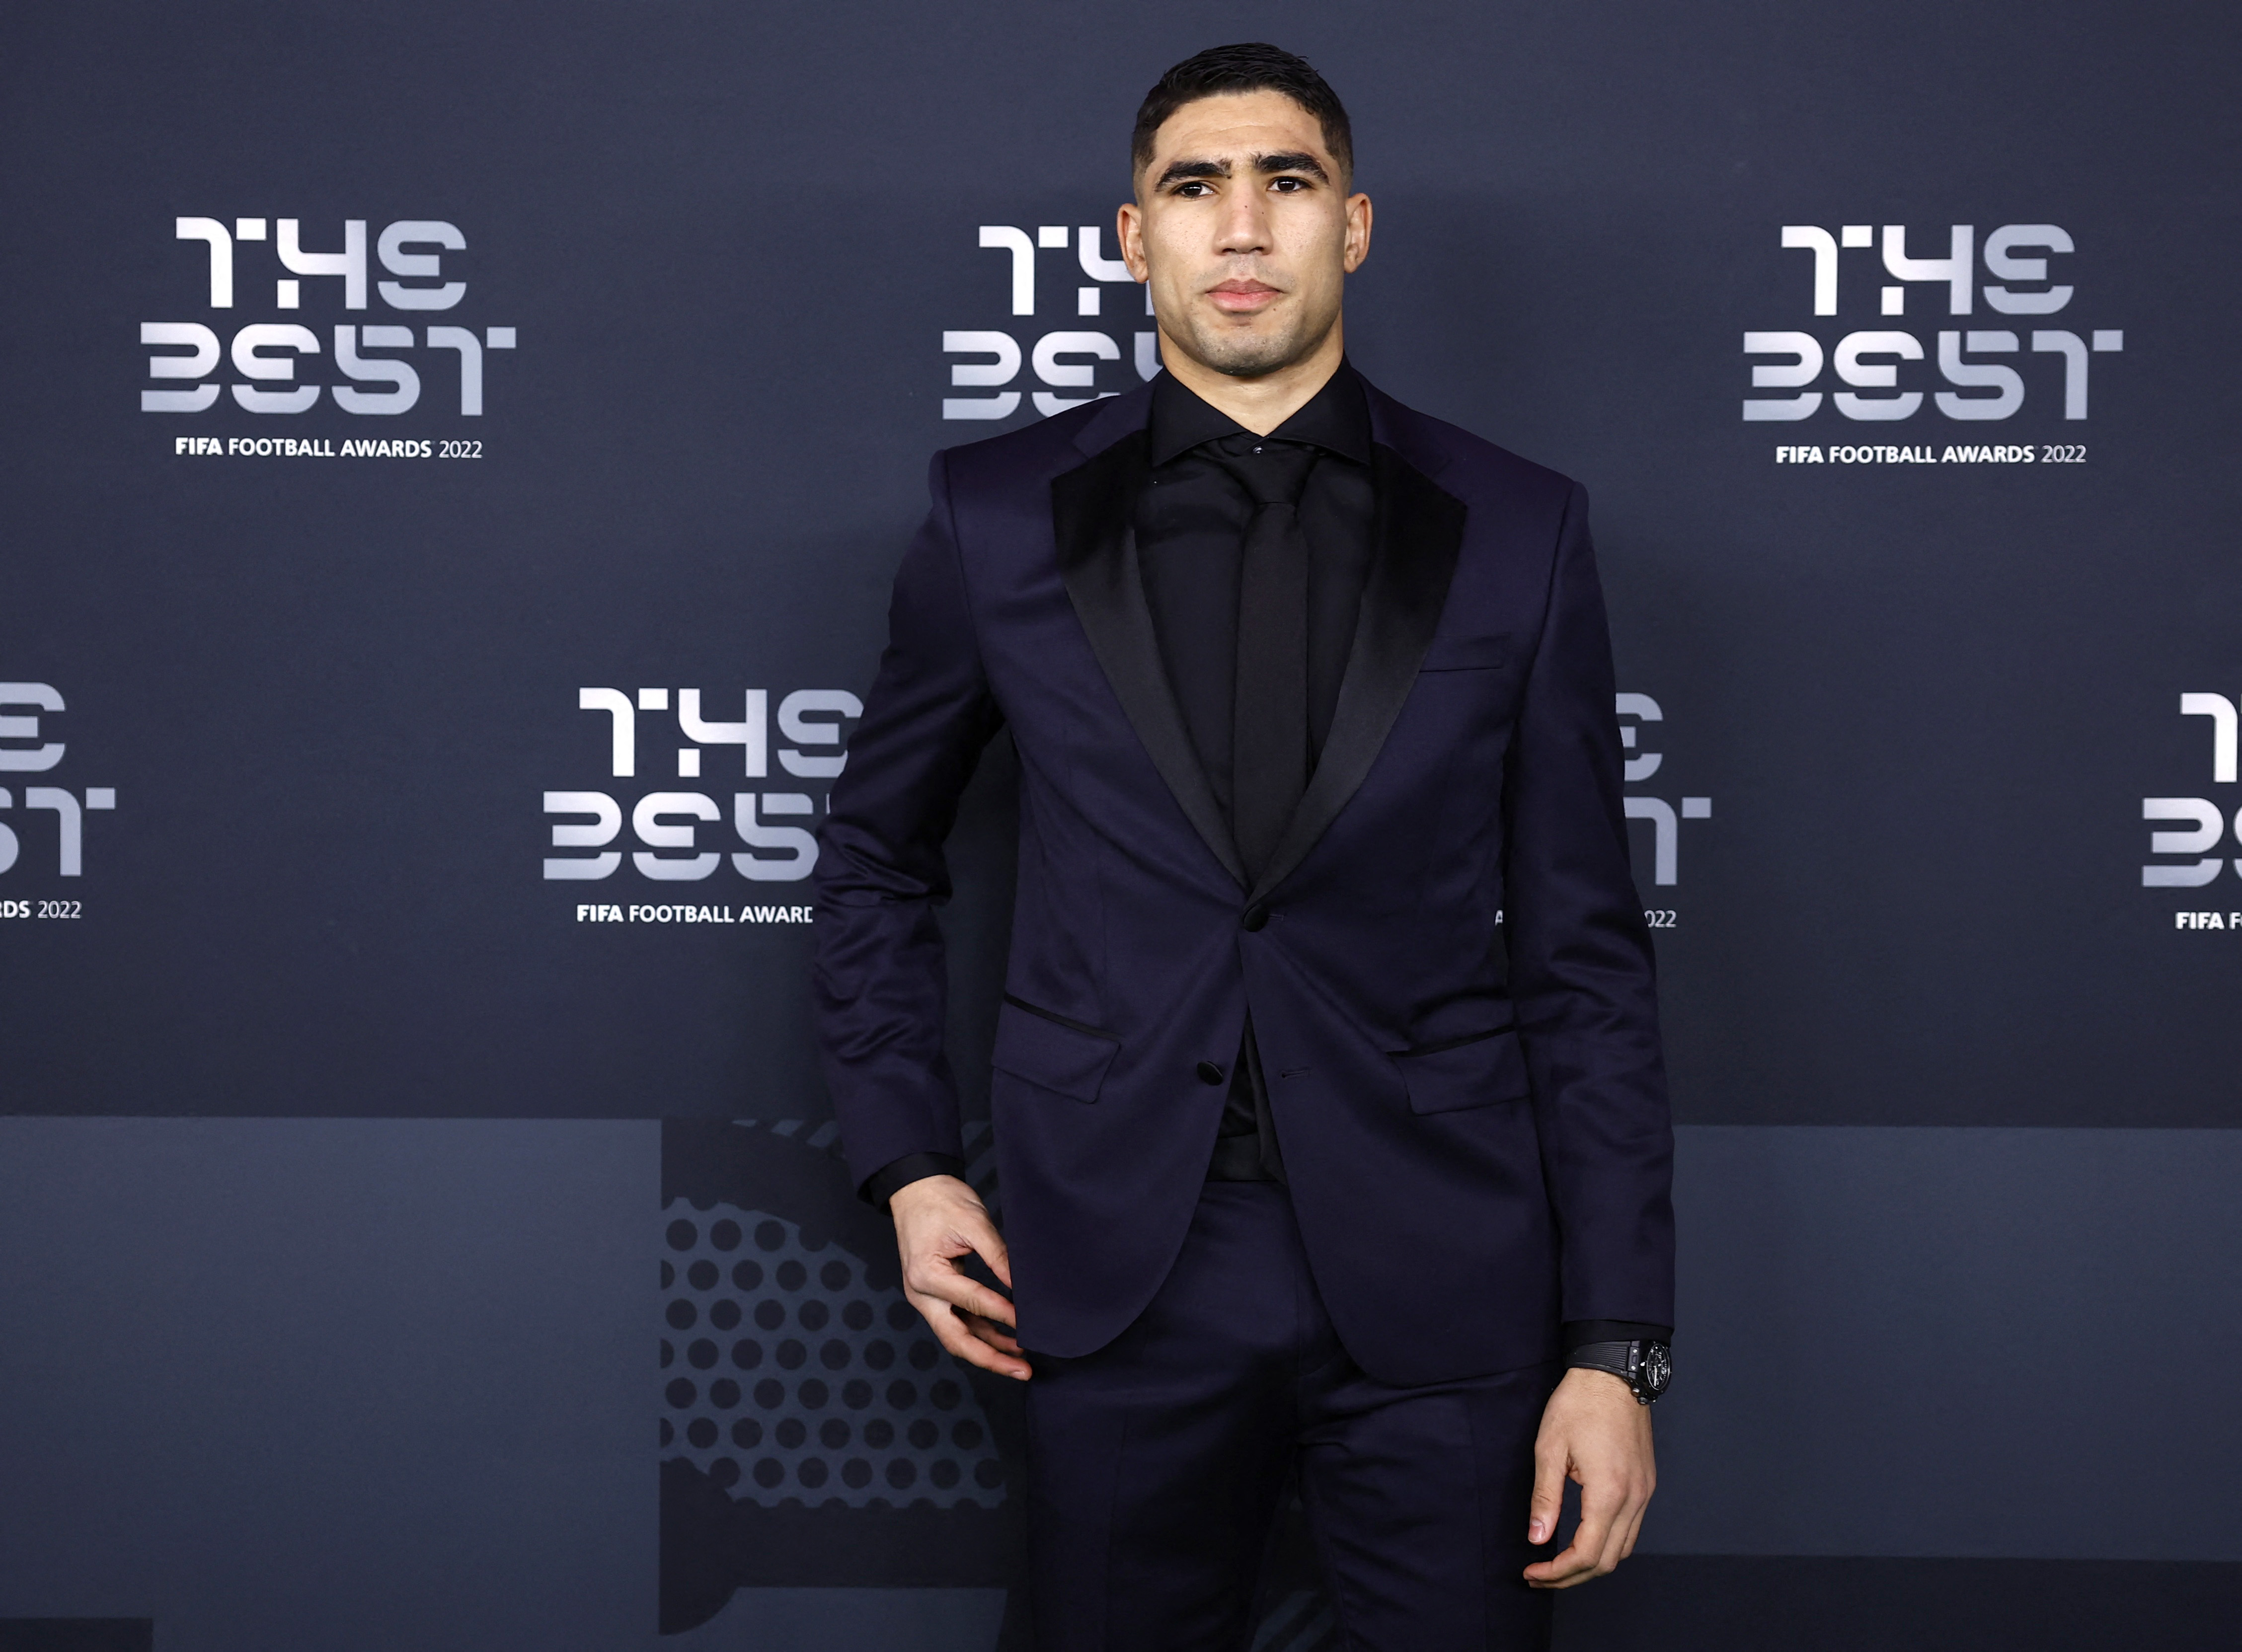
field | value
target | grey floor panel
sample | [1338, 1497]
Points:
[1996, 1343]
[329, 1384]
[348, 1384]
[845, 1619]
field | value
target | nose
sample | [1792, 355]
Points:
[1245, 222]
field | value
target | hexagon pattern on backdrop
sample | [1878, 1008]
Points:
[786, 1377]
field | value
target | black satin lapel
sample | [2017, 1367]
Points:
[1421, 529]
[1091, 509]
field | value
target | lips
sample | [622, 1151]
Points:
[1240, 297]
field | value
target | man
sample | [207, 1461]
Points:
[1329, 1108]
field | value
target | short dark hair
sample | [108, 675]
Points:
[1251, 67]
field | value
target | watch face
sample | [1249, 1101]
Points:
[1654, 1370]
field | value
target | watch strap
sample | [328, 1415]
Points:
[1618, 1358]
[1622, 1359]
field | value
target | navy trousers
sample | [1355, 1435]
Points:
[1156, 1465]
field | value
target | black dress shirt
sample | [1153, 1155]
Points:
[1191, 520]
[1192, 517]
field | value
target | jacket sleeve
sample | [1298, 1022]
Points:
[878, 975]
[1580, 963]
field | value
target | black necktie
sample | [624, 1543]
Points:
[1268, 748]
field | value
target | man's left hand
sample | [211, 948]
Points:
[1594, 1432]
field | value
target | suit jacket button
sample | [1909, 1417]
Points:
[1255, 918]
[1208, 1073]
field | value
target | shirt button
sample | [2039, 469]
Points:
[1255, 918]
[1208, 1073]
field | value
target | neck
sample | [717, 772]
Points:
[1264, 402]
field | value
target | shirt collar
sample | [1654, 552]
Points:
[1336, 418]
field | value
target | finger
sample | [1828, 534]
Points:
[951, 1326]
[945, 1284]
[974, 1351]
[1609, 1508]
[1616, 1543]
[969, 1230]
[950, 1332]
[1566, 1568]
[1578, 1560]
[1648, 1490]
[941, 1314]
[1561, 1571]
[989, 1244]
[995, 1335]
[1622, 1500]
[1634, 1531]
[1575, 1565]
[1541, 1509]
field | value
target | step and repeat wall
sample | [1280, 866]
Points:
[457, 458]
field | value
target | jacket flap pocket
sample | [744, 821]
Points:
[1057, 1055]
[1465, 653]
[1477, 1074]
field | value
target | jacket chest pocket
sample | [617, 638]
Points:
[1482, 1071]
[1063, 1056]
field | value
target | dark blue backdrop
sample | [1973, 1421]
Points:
[373, 1031]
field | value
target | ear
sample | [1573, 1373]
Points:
[1129, 231]
[1357, 234]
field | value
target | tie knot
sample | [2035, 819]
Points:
[1271, 473]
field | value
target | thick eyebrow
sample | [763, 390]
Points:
[1291, 161]
[1181, 171]
[1285, 161]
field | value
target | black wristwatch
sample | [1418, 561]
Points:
[1646, 1367]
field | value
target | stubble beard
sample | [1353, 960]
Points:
[1242, 354]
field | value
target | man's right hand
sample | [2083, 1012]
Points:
[939, 1218]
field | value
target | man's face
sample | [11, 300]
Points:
[1242, 225]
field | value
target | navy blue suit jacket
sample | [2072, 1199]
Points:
[1446, 963]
